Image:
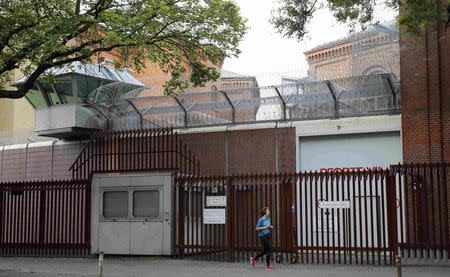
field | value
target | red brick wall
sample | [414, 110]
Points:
[246, 151]
[425, 81]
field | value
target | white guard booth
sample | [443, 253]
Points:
[131, 214]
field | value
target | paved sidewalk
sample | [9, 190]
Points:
[156, 267]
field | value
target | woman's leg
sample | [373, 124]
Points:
[269, 252]
[264, 243]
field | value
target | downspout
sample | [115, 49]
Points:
[276, 149]
[441, 128]
[428, 94]
[1, 166]
[26, 162]
[226, 150]
[53, 158]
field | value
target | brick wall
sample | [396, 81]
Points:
[425, 81]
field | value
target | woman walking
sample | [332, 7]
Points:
[264, 228]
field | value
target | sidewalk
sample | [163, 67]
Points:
[160, 267]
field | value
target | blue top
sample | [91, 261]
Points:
[263, 222]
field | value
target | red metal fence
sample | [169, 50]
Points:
[383, 213]
[45, 218]
[374, 214]
[423, 191]
[305, 230]
[134, 150]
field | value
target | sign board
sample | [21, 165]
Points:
[213, 216]
[334, 204]
[216, 201]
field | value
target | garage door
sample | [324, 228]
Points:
[338, 152]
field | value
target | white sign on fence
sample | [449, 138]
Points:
[213, 216]
[216, 201]
[334, 204]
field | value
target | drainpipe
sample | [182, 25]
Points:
[53, 158]
[226, 150]
[26, 162]
[1, 166]
[276, 149]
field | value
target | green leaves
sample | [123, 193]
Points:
[174, 34]
[292, 16]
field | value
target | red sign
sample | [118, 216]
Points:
[345, 169]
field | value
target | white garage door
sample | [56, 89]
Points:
[338, 152]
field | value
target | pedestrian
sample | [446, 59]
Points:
[264, 228]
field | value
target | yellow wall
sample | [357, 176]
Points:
[16, 114]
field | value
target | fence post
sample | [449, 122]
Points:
[87, 230]
[392, 214]
[230, 219]
[42, 201]
[181, 219]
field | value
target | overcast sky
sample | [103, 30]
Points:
[265, 52]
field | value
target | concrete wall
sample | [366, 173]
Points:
[224, 150]
[38, 161]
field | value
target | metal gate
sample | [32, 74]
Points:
[345, 217]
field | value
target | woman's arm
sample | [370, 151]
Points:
[261, 228]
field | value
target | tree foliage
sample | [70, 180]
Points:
[36, 35]
[292, 16]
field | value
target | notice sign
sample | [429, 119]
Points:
[213, 216]
[334, 204]
[216, 201]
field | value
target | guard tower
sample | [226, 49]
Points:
[62, 102]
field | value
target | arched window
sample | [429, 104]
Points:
[374, 70]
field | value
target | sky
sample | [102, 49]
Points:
[266, 53]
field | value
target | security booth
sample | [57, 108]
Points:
[131, 213]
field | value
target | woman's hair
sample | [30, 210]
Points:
[264, 210]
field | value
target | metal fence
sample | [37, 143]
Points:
[348, 217]
[305, 231]
[423, 191]
[305, 100]
[134, 150]
[45, 218]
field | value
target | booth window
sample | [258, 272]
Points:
[146, 203]
[115, 204]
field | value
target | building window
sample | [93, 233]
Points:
[115, 204]
[146, 203]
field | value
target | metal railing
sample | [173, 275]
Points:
[134, 150]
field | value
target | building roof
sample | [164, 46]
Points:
[377, 28]
[224, 74]
[91, 70]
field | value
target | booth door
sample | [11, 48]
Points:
[134, 215]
